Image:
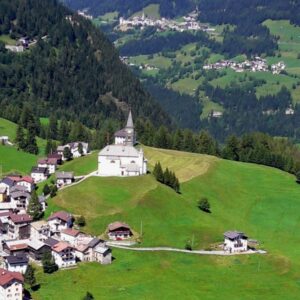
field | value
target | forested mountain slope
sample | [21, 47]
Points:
[126, 8]
[72, 70]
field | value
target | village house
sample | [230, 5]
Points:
[19, 198]
[39, 174]
[74, 148]
[16, 263]
[25, 181]
[11, 285]
[64, 178]
[64, 255]
[102, 255]
[59, 221]
[39, 230]
[49, 163]
[119, 231]
[19, 226]
[235, 241]
[122, 158]
[69, 235]
[57, 158]
[15, 247]
[36, 249]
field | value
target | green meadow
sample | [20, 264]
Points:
[261, 201]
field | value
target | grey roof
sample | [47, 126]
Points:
[42, 199]
[39, 170]
[8, 181]
[234, 235]
[17, 194]
[35, 244]
[64, 175]
[121, 133]
[51, 242]
[119, 150]
[129, 121]
[19, 188]
[17, 259]
[94, 242]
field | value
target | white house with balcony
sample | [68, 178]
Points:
[64, 255]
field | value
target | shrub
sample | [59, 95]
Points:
[204, 205]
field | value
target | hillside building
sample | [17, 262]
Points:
[235, 241]
[122, 158]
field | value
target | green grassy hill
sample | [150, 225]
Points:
[263, 202]
[11, 159]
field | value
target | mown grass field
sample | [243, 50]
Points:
[263, 202]
[82, 165]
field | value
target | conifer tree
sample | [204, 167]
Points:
[167, 177]
[20, 138]
[29, 276]
[34, 207]
[88, 296]
[46, 189]
[31, 144]
[67, 153]
[49, 265]
[49, 147]
[52, 130]
[63, 131]
[158, 172]
[80, 149]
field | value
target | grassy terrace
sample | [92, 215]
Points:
[261, 201]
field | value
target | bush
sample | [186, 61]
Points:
[204, 205]
[80, 221]
[49, 265]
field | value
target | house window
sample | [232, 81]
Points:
[112, 161]
[132, 162]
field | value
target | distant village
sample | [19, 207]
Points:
[190, 23]
[258, 64]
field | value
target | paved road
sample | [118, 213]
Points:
[170, 249]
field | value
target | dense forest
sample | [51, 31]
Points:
[168, 9]
[73, 71]
[249, 36]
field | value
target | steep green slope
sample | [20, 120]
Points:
[72, 70]
[263, 202]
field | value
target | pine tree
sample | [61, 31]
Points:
[67, 154]
[80, 149]
[49, 265]
[20, 138]
[34, 207]
[88, 296]
[46, 189]
[31, 146]
[63, 133]
[49, 147]
[53, 191]
[158, 172]
[29, 276]
[177, 186]
[167, 177]
[52, 130]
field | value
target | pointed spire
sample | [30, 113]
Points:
[129, 121]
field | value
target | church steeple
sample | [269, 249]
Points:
[129, 121]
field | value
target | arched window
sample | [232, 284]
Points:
[112, 161]
[132, 162]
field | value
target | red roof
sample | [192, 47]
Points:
[62, 215]
[21, 178]
[117, 225]
[47, 161]
[21, 218]
[70, 231]
[55, 155]
[7, 276]
[17, 247]
[61, 246]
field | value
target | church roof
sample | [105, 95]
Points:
[119, 150]
[121, 133]
[129, 121]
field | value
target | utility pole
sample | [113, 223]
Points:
[141, 232]
[193, 237]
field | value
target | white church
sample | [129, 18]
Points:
[122, 158]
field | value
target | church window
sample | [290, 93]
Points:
[132, 162]
[112, 161]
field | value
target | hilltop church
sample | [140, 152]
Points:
[122, 158]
